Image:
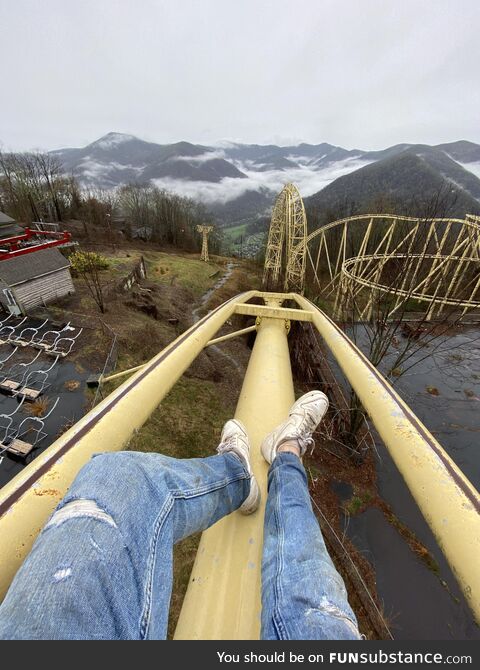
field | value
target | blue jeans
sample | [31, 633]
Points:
[102, 566]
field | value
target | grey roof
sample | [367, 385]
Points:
[11, 230]
[23, 268]
[4, 219]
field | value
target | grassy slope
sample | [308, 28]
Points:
[235, 231]
[186, 270]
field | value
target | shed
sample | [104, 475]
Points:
[34, 279]
[8, 226]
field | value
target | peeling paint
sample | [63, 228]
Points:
[47, 492]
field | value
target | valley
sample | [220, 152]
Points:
[237, 182]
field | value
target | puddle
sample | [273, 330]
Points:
[343, 490]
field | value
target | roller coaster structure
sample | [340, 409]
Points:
[433, 261]
[223, 596]
[286, 241]
[205, 230]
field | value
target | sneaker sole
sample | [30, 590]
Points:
[252, 502]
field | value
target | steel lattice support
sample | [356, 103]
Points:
[205, 230]
[286, 240]
[434, 261]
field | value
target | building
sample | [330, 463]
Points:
[34, 279]
[8, 227]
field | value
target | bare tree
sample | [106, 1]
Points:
[89, 266]
[33, 187]
[396, 332]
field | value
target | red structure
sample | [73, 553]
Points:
[10, 247]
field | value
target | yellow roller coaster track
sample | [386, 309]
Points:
[286, 240]
[223, 597]
[437, 258]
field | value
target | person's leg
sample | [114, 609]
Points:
[102, 566]
[303, 596]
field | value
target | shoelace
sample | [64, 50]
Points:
[227, 444]
[305, 438]
[231, 444]
[305, 442]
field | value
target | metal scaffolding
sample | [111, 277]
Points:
[433, 261]
[286, 241]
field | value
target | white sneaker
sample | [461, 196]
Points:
[303, 418]
[235, 439]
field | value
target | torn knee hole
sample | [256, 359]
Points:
[82, 508]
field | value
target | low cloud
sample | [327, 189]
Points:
[202, 158]
[307, 179]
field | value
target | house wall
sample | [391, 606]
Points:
[43, 289]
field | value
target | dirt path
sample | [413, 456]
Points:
[206, 297]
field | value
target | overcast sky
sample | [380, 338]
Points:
[357, 73]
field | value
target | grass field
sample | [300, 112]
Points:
[233, 234]
[190, 272]
[186, 270]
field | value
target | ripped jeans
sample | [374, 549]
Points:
[102, 566]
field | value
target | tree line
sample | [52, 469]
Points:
[34, 187]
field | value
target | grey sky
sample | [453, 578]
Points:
[358, 73]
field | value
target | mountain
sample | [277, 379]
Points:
[117, 158]
[464, 152]
[238, 182]
[413, 177]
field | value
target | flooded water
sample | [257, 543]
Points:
[444, 392]
[65, 381]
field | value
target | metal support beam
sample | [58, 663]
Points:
[223, 596]
[205, 230]
[123, 373]
[274, 312]
[130, 371]
[230, 336]
[27, 501]
[446, 498]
